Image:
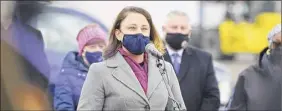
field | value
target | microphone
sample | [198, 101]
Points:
[150, 48]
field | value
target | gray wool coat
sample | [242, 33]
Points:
[112, 85]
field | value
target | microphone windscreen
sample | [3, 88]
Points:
[150, 48]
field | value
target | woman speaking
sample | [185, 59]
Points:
[129, 78]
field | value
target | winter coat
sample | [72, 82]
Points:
[69, 82]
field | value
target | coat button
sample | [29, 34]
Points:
[147, 107]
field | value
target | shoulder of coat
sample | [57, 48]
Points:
[249, 71]
[198, 52]
[168, 67]
[99, 68]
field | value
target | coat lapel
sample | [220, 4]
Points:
[185, 65]
[185, 62]
[154, 76]
[125, 75]
[167, 57]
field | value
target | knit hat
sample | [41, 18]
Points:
[272, 33]
[90, 34]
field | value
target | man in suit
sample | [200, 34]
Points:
[193, 67]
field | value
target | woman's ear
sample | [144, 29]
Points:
[118, 34]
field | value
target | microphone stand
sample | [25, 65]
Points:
[159, 65]
[172, 103]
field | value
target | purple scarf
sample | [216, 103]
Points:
[140, 72]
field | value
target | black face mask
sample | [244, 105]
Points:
[175, 40]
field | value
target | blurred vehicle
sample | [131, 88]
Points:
[224, 78]
[59, 27]
[245, 37]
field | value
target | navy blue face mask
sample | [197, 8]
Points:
[93, 57]
[135, 43]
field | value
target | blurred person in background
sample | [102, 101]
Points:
[225, 33]
[259, 86]
[23, 38]
[24, 67]
[129, 78]
[193, 67]
[92, 41]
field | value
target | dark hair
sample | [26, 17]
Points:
[114, 43]
[262, 53]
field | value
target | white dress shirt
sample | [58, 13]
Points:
[172, 51]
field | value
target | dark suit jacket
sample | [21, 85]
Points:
[197, 80]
